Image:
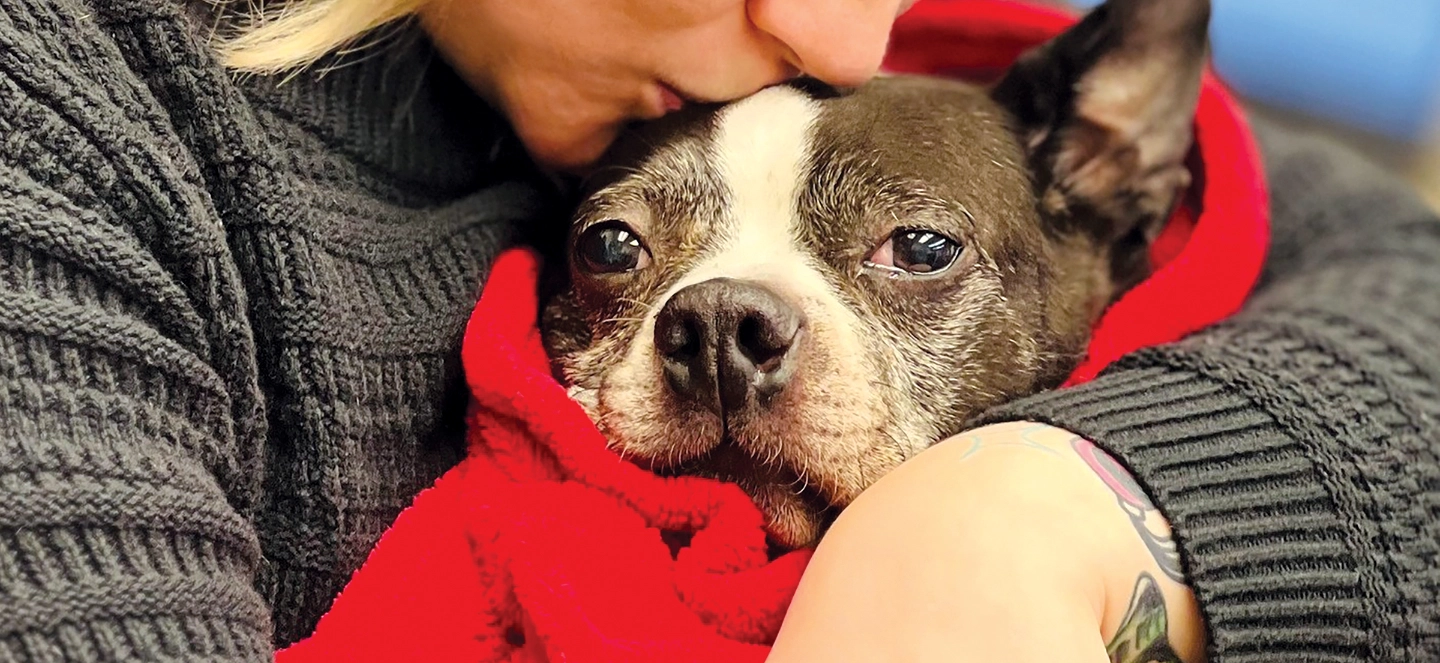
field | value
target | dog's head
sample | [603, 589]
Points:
[802, 289]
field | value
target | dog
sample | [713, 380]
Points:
[800, 290]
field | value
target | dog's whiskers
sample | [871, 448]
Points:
[803, 476]
[618, 448]
[649, 307]
[607, 321]
[773, 458]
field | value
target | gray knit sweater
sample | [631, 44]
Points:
[229, 324]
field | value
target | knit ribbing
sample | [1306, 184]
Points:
[229, 323]
[1294, 448]
[230, 313]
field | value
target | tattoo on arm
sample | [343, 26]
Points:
[1143, 636]
[1027, 440]
[1143, 514]
[1148, 521]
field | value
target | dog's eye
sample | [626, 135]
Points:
[611, 246]
[915, 251]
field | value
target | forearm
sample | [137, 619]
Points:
[1293, 447]
[1018, 542]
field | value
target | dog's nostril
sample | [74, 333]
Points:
[749, 336]
[763, 340]
[679, 340]
[725, 344]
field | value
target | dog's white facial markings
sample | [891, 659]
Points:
[765, 148]
[884, 364]
[827, 428]
[762, 150]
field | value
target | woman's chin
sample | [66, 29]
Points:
[570, 148]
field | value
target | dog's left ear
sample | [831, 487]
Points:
[1105, 112]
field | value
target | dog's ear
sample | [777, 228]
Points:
[1105, 112]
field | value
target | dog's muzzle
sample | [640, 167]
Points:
[728, 345]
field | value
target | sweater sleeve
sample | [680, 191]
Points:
[1296, 447]
[122, 484]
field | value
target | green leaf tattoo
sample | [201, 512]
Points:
[1144, 633]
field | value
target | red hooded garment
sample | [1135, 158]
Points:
[543, 545]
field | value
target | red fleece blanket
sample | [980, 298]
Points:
[543, 545]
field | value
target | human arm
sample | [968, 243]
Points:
[1000, 544]
[1293, 447]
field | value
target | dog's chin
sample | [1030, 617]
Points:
[796, 514]
[793, 519]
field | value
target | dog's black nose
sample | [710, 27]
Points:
[726, 343]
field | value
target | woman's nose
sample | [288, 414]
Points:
[841, 42]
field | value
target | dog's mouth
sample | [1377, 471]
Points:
[797, 512]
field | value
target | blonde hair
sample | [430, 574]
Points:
[300, 32]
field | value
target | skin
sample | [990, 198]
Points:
[1007, 542]
[1002, 543]
[570, 75]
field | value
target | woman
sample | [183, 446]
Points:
[230, 309]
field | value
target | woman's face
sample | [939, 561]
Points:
[570, 73]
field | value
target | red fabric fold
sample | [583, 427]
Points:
[543, 545]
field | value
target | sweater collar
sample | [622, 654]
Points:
[393, 104]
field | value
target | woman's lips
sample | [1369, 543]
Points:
[663, 101]
[671, 100]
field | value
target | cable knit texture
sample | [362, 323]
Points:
[230, 315]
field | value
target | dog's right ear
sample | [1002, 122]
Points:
[1105, 112]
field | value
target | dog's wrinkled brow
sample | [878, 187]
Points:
[846, 197]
